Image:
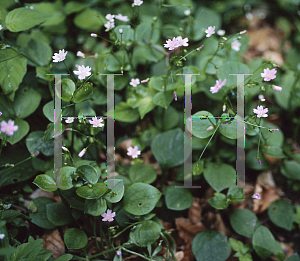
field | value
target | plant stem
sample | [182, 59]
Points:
[135, 253]
[95, 232]
[14, 165]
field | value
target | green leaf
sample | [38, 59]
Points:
[157, 83]
[204, 18]
[169, 120]
[58, 214]
[140, 198]
[48, 111]
[124, 113]
[281, 214]
[65, 257]
[290, 169]
[145, 105]
[263, 242]
[83, 92]
[74, 7]
[117, 190]
[278, 252]
[75, 238]
[168, 148]
[26, 101]
[273, 151]
[13, 67]
[210, 245]
[244, 222]
[163, 99]
[127, 33]
[23, 128]
[67, 89]
[142, 173]
[199, 126]
[236, 194]
[236, 244]
[49, 133]
[35, 142]
[38, 51]
[219, 201]
[89, 19]
[274, 138]
[73, 199]
[40, 216]
[66, 177]
[44, 181]
[41, 72]
[88, 173]
[293, 257]
[178, 198]
[95, 207]
[220, 176]
[95, 191]
[21, 19]
[145, 233]
[229, 130]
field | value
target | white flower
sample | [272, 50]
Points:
[219, 84]
[276, 88]
[261, 97]
[134, 82]
[137, 2]
[81, 153]
[69, 120]
[1, 27]
[187, 12]
[122, 18]
[60, 56]
[134, 152]
[31, 7]
[64, 148]
[80, 54]
[171, 44]
[210, 30]
[182, 42]
[243, 32]
[110, 17]
[94, 35]
[221, 32]
[2, 236]
[96, 122]
[120, 31]
[235, 45]
[83, 72]
[109, 25]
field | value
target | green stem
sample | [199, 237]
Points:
[103, 236]
[135, 253]
[168, 246]
[95, 232]
[104, 252]
[15, 164]
[154, 23]
[187, 54]
[134, 224]
[257, 155]
[69, 71]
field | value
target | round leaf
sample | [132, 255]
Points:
[66, 178]
[199, 126]
[35, 142]
[210, 245]
[83, 92]
[142, 173]
[229, 130]
[20, 133]
[145, 233]
[219, 201]
[67, 89]
[48, 110]
[168, 148]
[95, 191]
[95, 207]
[140, 198]
[124, 113]
[178, 198]
[263, 242]
[236, 194]
[117, 190]
[58, 214]
[281, 214]
[291, 169]
[75, 238]
[45, 182]
[244, 222]
[220, 176]
[88, 173]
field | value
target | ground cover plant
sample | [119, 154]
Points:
[152, 47]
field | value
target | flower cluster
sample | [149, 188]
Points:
[176, 42]
[8, 127]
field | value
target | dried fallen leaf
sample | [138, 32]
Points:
[53, 242]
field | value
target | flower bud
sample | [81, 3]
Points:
[120, 31]
[94, 35]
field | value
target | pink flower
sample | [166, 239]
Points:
[119, 253]
[110, 17]
[218, 86]
[175, 96]
[134, 152]
[109, 25]
[210, 30]
[276, 88]
[94, 35]
[108, 216]
[261, 112]
[146, 80]
[209, 128]
[9, 127]
[83, 72]
[0, 113]
[60, 56]
[134, 82]
[235, 45]
[81, 153]
[182, 42]
[269, 74]
[256, 196]
[96, 122]
[37, 153]
[243, 32]
[259, 161]
[122, 18]
[171, 44]
[137, 2]
[199, 48]
[80, 54]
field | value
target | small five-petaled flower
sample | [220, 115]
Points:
[8, 127]
[269, 74]
[256, 196]
[60, 56]
[108, 216]
[134, 152]
[134, 82]
[83, 72]
[219, 84]
[261, 112]
[176, 42]
[69, 120]
[137, 2]
[96, 122]
[210, 30]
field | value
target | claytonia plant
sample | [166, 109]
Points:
[134, 82]
[108, 216]
[235, 45]
[109, 25]
[122, 18]
[261, 112]
[60, 56]
[83, 72]
[219, 84]
[69, 120]
[268, 74]
[137, 2]
[96, 122]
[176, 42]
[134, 152]
[210, 31]
[8, 127]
